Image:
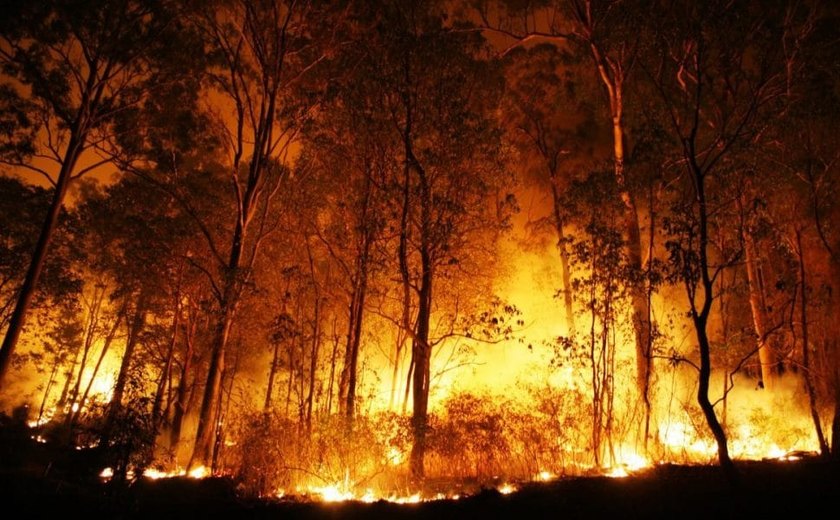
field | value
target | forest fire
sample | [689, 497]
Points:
[411, 253]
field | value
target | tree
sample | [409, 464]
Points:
[79, 65]
[718, 96]
[440, 98]
[263, 49]
[549, 118]
[610, 32]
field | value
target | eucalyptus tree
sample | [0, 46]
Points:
[439, 97]
[611, 33]
[719, 92]
[70, 68]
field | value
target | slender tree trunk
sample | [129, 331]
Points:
[806, 364]
[105, 347]
[759, 311]
[399, 343]
[559, 223]
[593, 360]
[700, 319]
[138, 322]
[75, 146]
[166, 371]
[272, 372]
[421, 352]
[421, 348]
[313, 363]
[612, 77]
[349, 374]
[181, 398]
[50, 383]
[68, 380]
[316, 340]
[93, 320]
[333, 358]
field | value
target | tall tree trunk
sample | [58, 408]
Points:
[47, 389]
[272, 373]
[758, 306]
[166, 371]
[559, 222]
[203, 449]
[348, 382]
[333, 359]
[181, 396]
[313, 363]
[700, 320]
[206, 433]
[612, 77]
[316, 340]
[806, 364]
[75, 146]
[138, 322]
[421, 353]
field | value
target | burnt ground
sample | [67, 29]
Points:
[37, 479]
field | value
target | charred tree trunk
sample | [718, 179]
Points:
[421, 353]
[313, 363]
[700, 318]
[333, 358]
[421, 348]
[272, 372]
[166, 370]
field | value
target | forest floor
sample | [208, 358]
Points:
[766, 489]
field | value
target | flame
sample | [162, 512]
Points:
[507, 489]
[544, 476]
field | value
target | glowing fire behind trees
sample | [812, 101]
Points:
[440, 267]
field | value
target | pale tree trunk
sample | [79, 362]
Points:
[559, 223]
[612, 77]
[758, 306]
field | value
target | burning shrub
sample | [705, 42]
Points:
[489, 436]
[279, 453]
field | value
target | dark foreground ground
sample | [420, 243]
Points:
[766, 489]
